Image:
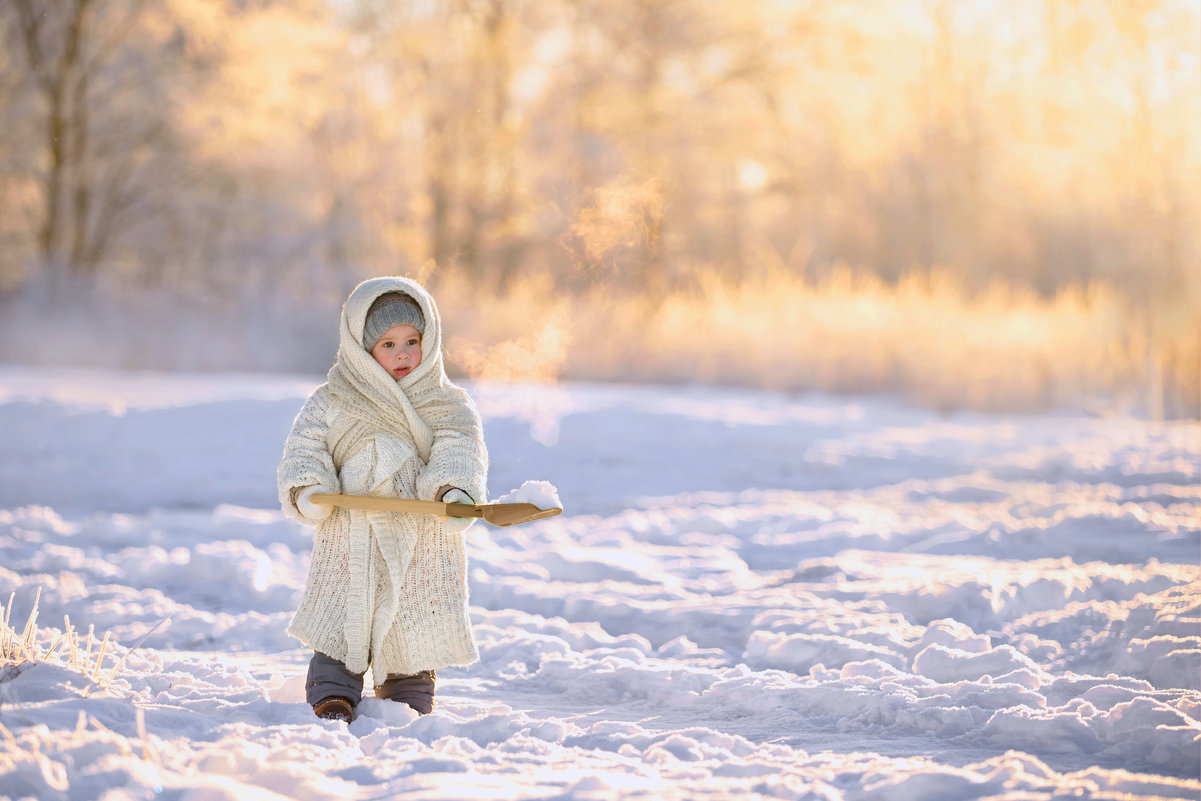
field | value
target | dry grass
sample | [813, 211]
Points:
[85, 657]
[926, 338]
[66, 648]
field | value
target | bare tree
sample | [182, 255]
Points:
[79, 67]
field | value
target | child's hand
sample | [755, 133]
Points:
[454, 525]
[315, 512]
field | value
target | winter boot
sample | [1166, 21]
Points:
[416, 690]
[334, 708]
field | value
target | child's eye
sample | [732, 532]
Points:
[414, 342]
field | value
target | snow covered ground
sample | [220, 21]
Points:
[749, 595]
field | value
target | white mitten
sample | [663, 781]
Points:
[454, 525]
[316, 512]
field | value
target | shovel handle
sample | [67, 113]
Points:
[372, 503]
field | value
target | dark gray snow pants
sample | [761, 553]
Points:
[328, 678]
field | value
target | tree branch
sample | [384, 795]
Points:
[32, 29]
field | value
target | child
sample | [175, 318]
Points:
[384, 589]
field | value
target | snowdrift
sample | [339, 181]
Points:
[749, 595]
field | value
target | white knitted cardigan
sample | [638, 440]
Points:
[385, 589]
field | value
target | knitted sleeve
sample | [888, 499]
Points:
[307, 461]
[458, 457]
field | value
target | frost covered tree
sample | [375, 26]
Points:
[92, 124]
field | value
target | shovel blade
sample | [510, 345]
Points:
[510, 514]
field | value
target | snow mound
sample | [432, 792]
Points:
[540, 493]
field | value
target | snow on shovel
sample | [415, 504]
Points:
[498, 514]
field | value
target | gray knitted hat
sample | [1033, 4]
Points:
[388, 311]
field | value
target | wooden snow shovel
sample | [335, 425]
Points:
[498, 514]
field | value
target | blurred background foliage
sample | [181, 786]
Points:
[971, 203]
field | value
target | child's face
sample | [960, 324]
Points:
[398, 350]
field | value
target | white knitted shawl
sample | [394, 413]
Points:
[386, 589]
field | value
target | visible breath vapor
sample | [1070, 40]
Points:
[535, 360]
